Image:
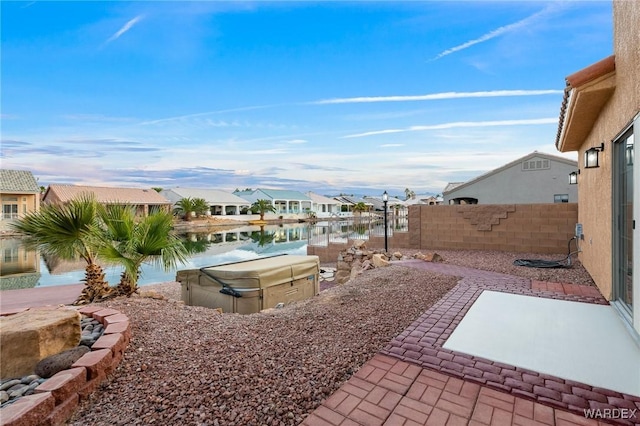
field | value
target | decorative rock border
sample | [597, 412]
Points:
[55, 401]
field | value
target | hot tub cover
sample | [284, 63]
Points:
[264, 272]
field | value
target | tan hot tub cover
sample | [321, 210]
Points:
[251, 286]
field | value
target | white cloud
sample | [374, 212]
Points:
[124, 29]
[391, 145]
[297, 141]
[458, 124]
[497, 32]
[439, 96]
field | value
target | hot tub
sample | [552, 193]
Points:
[251, 286]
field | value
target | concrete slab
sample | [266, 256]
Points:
[582, 342]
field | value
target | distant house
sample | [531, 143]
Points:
[20, 194]
[600, 120]
[427, 199]
[145, 200]
[533, 179]
[220, 202]
[323, 206]
[349, 201]
[394, 205]
[284, 201]
[433, 200]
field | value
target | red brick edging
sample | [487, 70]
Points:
[55, 401]
[422, 343]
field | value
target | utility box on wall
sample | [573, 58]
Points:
[251, 286]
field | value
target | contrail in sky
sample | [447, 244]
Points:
[124, 29]
[495, 33]
[438, 96]
[458, 124]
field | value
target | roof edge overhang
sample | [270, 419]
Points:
[18, 192]
[587, 92]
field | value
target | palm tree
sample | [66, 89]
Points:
[261, 207]
[134, 241]
[185, 208]
[70, 231]
[200, 206]
[409, 194]
[360, 207]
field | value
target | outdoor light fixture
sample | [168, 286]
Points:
[591, 156]
[573, 177]
[385, 200]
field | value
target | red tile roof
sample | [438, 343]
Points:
[107, 195]
[570, 135]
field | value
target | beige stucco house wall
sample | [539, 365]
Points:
[601, 101]
[19, 195]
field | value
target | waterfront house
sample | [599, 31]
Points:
[221, 203]
[347, 202]
[145, 200]
[599, 119]
[394, 205]
[293, 203]
[20, 194]
[322, 206]
[536, 178]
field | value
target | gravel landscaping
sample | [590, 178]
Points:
[192, 365]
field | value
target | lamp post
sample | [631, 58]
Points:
[385, 200]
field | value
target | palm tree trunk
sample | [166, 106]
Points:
[96, 287]
[126, 286]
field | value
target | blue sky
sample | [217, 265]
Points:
[333, 97]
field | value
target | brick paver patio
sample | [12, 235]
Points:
[415, 381]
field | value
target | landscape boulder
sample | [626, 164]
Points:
[30, 336]
[357, 259]
[58, 362]
[379, 260]
[432, 257]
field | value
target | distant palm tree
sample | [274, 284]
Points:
[134, 241]
[409, 194]
[70, 231]
[261, 207]
[200, 206]
[184, 207]
[360, 207]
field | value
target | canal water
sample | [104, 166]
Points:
[20, 268]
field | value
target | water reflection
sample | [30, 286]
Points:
[20, 268]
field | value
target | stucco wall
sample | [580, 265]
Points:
[595, 185]
[517, 186]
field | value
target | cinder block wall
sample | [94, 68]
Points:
[531, 228]
[520, 228]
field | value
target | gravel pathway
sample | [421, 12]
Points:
[192, 366]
